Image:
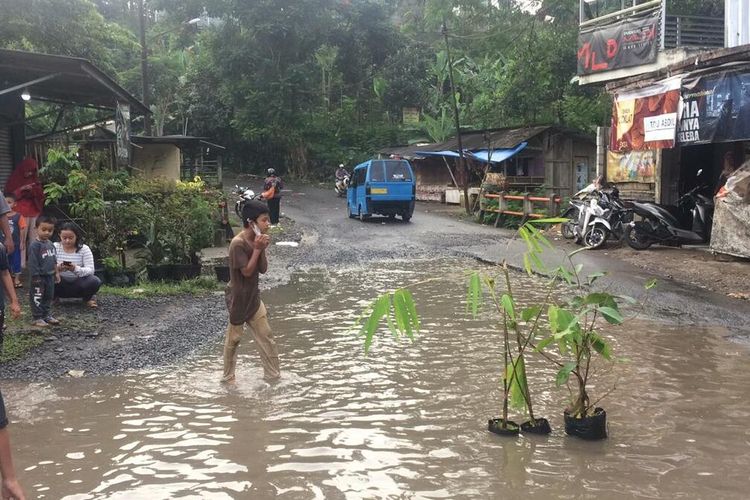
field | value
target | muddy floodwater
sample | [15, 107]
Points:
[408, 421]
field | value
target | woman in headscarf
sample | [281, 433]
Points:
[25, 186]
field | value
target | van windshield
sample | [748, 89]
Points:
[396, 170]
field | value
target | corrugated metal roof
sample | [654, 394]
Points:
[74, 80]
[504, 138]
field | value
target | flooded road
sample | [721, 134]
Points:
[408, 421]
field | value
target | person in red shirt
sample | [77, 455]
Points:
[24, 184]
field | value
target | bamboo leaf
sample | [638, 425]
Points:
[380, 308]
[549, 220]
[508, 305]
[474, 294]
[527, 264]
[536, 261]
[650, 284]
[564, 374]
[517, 385]
[405, 312]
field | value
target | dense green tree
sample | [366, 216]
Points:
[303, 85]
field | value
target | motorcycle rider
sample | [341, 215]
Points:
[341, 174]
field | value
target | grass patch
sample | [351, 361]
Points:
[197, 286]
[16, 345]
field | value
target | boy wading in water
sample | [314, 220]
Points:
[247, 260]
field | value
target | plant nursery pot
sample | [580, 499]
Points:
[183, 272]
[539, 426]
[160, 272]
[592, 427]
[222, 273]
[120, 278]
[100, 273]
[495, 425]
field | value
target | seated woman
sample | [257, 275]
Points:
[76, 264]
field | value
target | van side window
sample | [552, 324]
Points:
[359, 176]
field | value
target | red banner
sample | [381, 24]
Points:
[646, 118]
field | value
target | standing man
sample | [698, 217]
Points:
[274, 202]
[247, 261]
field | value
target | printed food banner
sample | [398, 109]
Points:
[715, 108]
[646, 118]
[620, 45]
[634, 166]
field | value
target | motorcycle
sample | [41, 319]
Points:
[573, 213]
[689, 222]
[612, 220]
[341, 185]
[245, 194]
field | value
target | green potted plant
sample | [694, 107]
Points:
[516, 341]
[115, 272]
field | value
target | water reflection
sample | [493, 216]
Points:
[408, 421]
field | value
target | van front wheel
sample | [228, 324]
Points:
[406, 217]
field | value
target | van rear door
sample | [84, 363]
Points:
[391, 180]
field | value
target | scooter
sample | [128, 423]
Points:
[687, 223]
[573, 212]
[611, 219]
[341, 186]
[245, 194]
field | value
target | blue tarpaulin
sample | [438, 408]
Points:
[498, 155]
[450, 154]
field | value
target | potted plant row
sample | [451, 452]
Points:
[563, 329]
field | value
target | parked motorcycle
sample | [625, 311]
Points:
[601, 216]
[573, 212]
[689, 222]
[341, 185]
[245, 194]
[612, 220]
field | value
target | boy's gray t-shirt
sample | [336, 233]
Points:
[41, 259]
[4, 207]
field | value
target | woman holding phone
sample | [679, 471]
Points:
[76, 265]
[247, 261]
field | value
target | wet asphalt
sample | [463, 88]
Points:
[130, 334]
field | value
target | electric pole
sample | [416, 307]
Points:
[461, 159]
[144, 67]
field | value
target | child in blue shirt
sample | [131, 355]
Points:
[42, 265]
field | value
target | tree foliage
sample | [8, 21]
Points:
[303, 85]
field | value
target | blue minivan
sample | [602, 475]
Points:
[383, 187]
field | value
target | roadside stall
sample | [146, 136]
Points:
[731, 229]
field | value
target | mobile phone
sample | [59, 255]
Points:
[67, 263]
[256, 229]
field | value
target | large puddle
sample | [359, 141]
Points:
[409, 421]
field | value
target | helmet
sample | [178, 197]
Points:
[341, 165]
[271, 171]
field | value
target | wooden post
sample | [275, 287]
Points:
[528, 207]
[553, 208]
